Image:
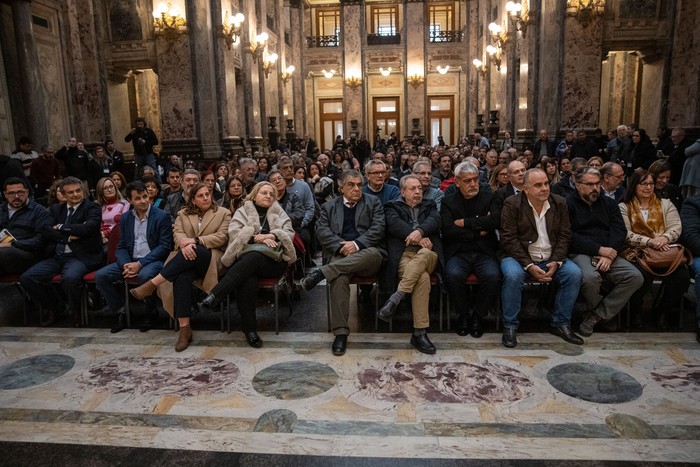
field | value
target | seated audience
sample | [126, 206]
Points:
[112, 204]
[664, 189]
[499, 177]
[375, 171]
[234, 195]
[612, 175]
[154, 193]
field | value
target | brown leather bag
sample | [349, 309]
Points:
[662, 263]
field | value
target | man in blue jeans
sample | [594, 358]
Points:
[535, 237]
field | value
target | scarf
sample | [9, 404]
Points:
[654, 224]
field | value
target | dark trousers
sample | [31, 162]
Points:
[487, 271]
[675, 285]
[110, 282]
[15, 260]
[182, 272]
[36, 279]
[242, 279]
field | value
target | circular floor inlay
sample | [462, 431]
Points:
[594, 383]
[33, 371]
[451, 382]
[161, 375]
[295, 380]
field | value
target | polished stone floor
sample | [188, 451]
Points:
[631, 397]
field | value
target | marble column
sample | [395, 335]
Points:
[352, 58]
[251, 78]
[549, 60]
[29, 68]
[294, 88]
[228, 58]
[415, 40]
[583, 49]
[206, 109]
[684, 86]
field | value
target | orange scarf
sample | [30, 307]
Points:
[654, 225]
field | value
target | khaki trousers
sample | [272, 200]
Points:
[415, 269]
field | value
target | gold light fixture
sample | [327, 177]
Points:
[443, 70]
[494, 55]
[498, 36]
[231, 28]
[585, 10]
[287, 74]
[415, 80]
[268, 64]
[328, 74]
[258, 45]
[354, 82]
[385, 72]
[168, 22]
[480, 66]
[519, 16]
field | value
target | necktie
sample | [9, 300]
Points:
[61, 247]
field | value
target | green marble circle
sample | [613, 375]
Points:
[34, 371]
[295, 380]
[594, 383]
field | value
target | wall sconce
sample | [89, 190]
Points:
[287, 74]
[498, 35]
[519, 16]
[384, 72]
[585, 10]
[494, 55]
[257, 46]
[442, 70]
[415, 80]
[168, 21]
[268, 64]
[480, 67]
[353, 83]
[231, 28]
[328, 74]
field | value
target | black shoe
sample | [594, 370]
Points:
[509, 337]
[422, 344]
[253, 339]
[476, 329]
[589, 321]
[386, 312]
[120, 325]
[208, 304]
[149, 322]
[312, 279]
[340, 344]
[564, 331]
[463, 326]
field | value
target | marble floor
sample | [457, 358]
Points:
[621, 397]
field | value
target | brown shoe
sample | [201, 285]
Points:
[184, 339]
[144, 290]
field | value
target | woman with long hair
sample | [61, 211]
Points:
[260, 246]
[200, 235]
[551, 168]
[652, 223]
[120, 181]
[498, 177]
[664, 189]
[112, 203]
[642, 150]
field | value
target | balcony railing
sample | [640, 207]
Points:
[322, 41]
[381, 39]
[446, 36]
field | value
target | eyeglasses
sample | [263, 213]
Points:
[423, 173]
[379, 172]
[647, 184]
[15, 194]
[590, 184]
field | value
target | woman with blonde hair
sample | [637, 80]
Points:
[260, 246]
[498, 177]
[200, 236]
[112, 203]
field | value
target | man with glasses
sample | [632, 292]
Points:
[21, 223]
[74, 234]
[516, 174]
[598, 235]
[376, 171]
[611, 183]
[470, 218]
[421, 169]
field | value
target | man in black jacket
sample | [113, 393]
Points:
[23, 220]
[76, 160]
[470, 218]
[690, 218]
[143, 140]
[414, 247]
[598, 235]
[74, 231]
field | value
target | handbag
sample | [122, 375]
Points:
[662, 263]
[272, 253]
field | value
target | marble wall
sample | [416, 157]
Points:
[176, 90]
[650, 96]
[352, 65]
[683, 109]
[7, 143]
[415, 61]
[548, 89]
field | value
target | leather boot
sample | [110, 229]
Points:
[144, 290]
[184, 339]
[208, 304]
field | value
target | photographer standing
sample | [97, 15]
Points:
[143, 139]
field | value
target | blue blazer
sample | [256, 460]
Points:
[159, 233]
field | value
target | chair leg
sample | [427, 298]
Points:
[221, 311]
[228, 313]
[277, 323]
[328, 305]
[127, 306]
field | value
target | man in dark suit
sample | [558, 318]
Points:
[145, 239]
[611, 182]
[516, 173]
[470, 218]
[351, 233]
[544, 146]
[74, 234]
[535, 237]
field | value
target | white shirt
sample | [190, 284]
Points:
[540, 250]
